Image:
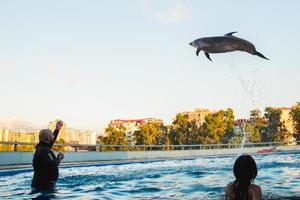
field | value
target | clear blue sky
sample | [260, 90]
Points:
[88, 62]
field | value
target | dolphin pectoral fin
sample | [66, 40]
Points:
[207, 55]
[197, 52]
[260, 55]
[230, 34]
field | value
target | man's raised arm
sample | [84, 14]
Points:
[59, 124]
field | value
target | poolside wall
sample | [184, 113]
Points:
[17, 158]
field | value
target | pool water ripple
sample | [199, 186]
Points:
[199, 178]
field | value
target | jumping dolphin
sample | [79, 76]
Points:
[223, 44]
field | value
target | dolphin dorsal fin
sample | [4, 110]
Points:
[230, 34]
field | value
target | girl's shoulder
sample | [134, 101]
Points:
[254, 187]
[229, 186]
[255, 191]
[229, 191]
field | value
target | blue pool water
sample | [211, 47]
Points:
[198, 178]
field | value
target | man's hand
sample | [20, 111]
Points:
[60, 156]
[59, 124]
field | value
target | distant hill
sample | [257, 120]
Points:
[16, 124]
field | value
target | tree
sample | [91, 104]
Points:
[218, 127]
[256, 116]
[179, 129]
[253, 132]
[275, 129]
[236, 140]
[295, 114]
[283, 134]
[149, 134]
[255, 126]
[184, 131]
[273, 122]
[100, 139]
[114, 136]
[165, 139]
[229, 123]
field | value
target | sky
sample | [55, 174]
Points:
[88, 62]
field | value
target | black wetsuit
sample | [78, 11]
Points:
[45, 165]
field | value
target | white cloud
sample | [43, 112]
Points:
[166, 11]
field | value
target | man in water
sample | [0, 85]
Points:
[45, 163]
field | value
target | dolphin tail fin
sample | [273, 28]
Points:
[260, 55]
[197, 52]
[207, 55]
[231, 33]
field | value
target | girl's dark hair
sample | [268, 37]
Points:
[245, 171]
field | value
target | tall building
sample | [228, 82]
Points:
[198, 115]
[4, 134]
[20, 136]
[72, 136]
[132, 125]
[87, 137]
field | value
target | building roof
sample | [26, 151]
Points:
[239, 122]
[283, 108]
[127, 120]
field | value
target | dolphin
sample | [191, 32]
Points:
[223, 44]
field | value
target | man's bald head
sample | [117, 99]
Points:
[46, 135]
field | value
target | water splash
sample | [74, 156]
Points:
[248, 80]
[244, 132]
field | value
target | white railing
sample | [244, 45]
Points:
[14, 146]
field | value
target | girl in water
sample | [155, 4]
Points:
[242, 188]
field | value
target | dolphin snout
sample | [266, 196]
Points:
[193, 44]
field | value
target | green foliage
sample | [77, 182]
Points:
[283, 134]
[179, 129]
[100, 139]
[275, 129]
[236, 140]
[295, 114]
[150, 134]
[256, 117]
[184, 131]
[273, 122]
[253, 132]
[256, 126]
[218, 127]
[114, 136]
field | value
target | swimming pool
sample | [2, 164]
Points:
[195, 178]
